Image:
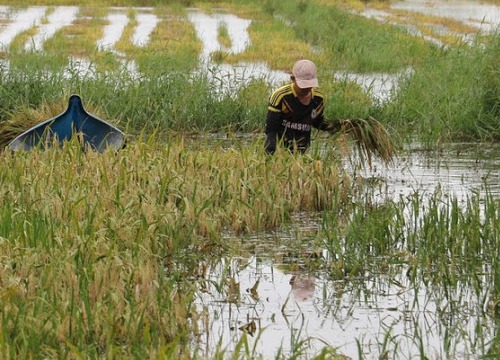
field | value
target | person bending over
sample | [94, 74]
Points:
[294, 109]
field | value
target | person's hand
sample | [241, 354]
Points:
[333, 126]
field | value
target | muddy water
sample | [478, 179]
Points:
[357, 315]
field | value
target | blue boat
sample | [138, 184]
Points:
[92, 132]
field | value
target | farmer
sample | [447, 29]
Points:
[296, 108]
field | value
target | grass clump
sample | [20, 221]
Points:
[371, 139]
[453, 97]
[25, 118]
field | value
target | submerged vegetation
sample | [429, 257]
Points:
[92, 244]
[104, 255]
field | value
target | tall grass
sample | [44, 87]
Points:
[440, 234]
[452, 97]
[166, 101]
[349, 41]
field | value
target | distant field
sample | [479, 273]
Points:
[198, 66]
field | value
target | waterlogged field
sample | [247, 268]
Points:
[344, 278]
[211, 251]
[192, 243]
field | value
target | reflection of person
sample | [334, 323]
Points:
[294, 109]
[303, 287]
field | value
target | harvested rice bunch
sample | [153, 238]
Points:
[371, 137]
[13, 127]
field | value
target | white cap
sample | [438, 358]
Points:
[304, 72]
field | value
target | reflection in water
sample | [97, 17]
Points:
[303, 287]
[380, 313]
[376, 312]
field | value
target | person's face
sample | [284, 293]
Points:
[301, 91]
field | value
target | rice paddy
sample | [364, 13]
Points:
[191, 242]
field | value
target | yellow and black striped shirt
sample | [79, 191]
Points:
[290, 121]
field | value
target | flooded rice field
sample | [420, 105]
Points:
[276, 299]
[478, 17]
[14, 21]
[482, 16]
[364, 317]
[283, 303]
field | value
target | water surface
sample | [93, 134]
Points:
[483, 17]
[372, 314]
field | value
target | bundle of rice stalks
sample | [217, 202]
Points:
[25, 118]
[13, 127]
[371, 137]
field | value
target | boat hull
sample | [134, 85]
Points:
[92, 132]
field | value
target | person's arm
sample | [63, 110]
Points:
[273, 121]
